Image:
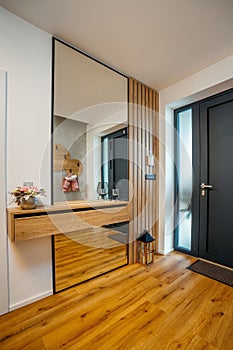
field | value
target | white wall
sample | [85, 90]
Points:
[3, 236]
[26, 57]
[211, 80]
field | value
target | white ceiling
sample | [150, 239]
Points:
[158, 42]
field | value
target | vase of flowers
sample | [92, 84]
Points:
[26, 196]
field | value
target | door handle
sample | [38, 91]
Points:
[205, 187]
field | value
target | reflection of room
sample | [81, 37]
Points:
[90, 107]
[93, 100]
[85, 254]
[72, 135]
[114, 170]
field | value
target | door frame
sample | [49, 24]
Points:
[198, 205]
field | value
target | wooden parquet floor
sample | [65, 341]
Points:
[160, 307]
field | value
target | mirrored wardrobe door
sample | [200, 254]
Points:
[90, 103]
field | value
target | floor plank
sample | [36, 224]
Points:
[163, 306]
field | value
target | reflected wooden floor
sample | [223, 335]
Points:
[85, 254]
[161, 307]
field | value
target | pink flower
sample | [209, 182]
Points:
[24, 189]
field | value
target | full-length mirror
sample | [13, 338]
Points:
[90, 160]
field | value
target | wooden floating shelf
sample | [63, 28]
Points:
[63, 218]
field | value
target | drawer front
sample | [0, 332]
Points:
[47, 225]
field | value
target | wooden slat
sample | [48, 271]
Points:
[157, 168]
[147, 150]
[142, 125]
[135, 165]
[139, 157]
[143, 194]
[131, 172]
[154, 207]
[150, 183]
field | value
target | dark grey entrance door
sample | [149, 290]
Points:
[216, 201]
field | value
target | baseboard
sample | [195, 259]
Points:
[165, 252]
[30, 300]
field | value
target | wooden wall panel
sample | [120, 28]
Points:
[143, 142]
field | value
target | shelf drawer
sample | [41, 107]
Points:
[55, 223]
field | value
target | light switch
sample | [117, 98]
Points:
[150, 160]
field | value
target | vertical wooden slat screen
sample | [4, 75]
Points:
[143, 142]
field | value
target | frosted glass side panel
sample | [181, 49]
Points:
[185, 179]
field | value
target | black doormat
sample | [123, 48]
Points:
[215, 272]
